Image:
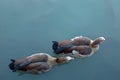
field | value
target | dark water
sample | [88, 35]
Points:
[29, 26]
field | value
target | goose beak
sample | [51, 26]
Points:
[102, 38]
[69, 58]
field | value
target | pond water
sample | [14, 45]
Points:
[30, 26]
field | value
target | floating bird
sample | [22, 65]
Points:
[37, 63]
[79, 46]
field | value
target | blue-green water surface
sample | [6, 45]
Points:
[30, 26]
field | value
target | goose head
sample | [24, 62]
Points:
[97, 42]
[63, 59]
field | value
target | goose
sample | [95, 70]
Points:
[37, 63]
[79, 46]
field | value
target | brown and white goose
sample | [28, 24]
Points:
[79, 46]
[37, 63]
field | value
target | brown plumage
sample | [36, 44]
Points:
[37, 63]
[79, 45]
[76, 41]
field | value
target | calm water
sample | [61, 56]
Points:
[29, 26]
